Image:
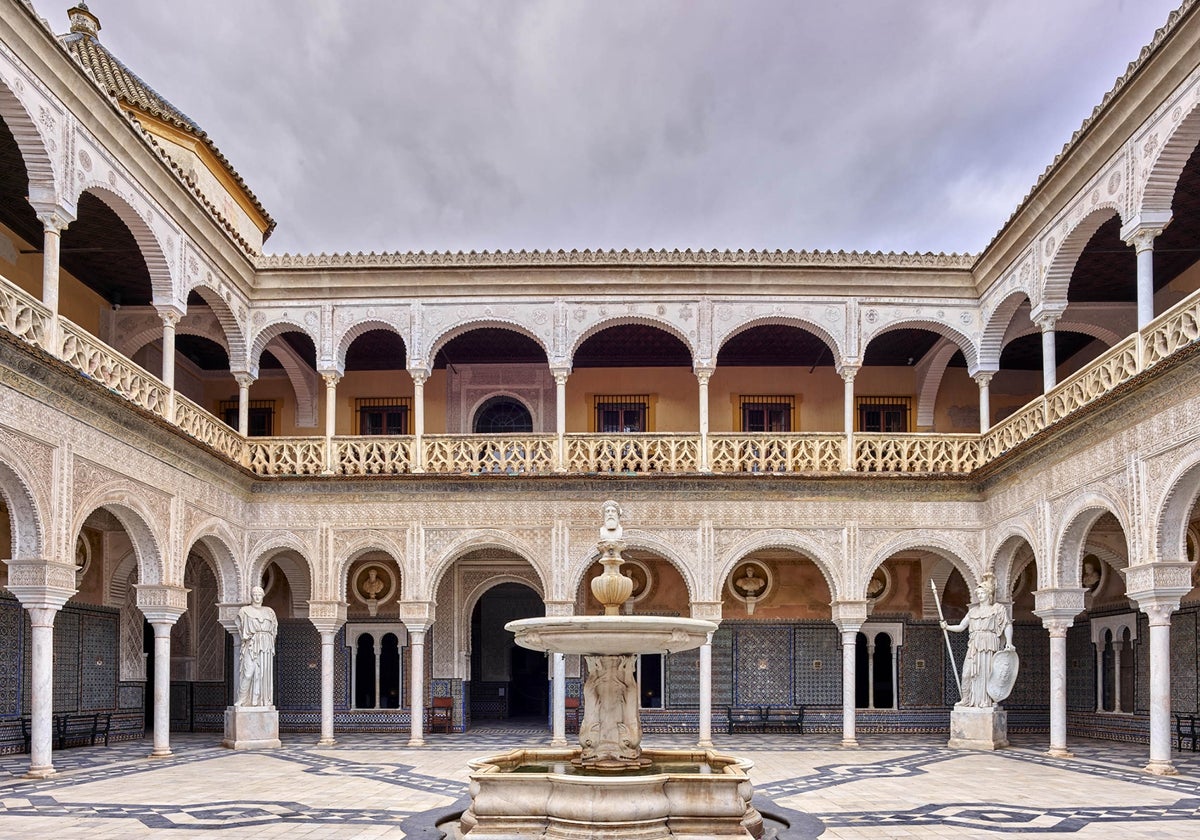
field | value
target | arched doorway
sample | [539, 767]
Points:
[507, 681]
[503, 415]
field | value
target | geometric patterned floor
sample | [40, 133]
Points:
[376, 787]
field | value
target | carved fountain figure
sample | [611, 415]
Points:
[609, 787]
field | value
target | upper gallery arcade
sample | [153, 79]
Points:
[192, 417]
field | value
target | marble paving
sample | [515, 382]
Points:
[376, 787]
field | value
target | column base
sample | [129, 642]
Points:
[705, 745]
[1161, 768]
[40, 772]
[326, 742]
[251, 728]
[849, 742]
[978, 729]
[156, 754]
[559, 742]
[416, 742]
[1055, 752]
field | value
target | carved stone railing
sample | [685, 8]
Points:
[630, 453]
[1170, 332]
[96, 360]
[918, 453]
[1019, 426]
[286, 456]
[205, 427]
[372, 455]
[1118, 364]
[778, 453]
[491, 454]
[22, 314]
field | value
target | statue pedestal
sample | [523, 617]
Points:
[978, 729]
[251, 728]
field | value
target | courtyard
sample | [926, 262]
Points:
[372, 787]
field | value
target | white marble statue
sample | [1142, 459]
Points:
[611, 530]
[991, 632]
[611, 731]
[257, 627]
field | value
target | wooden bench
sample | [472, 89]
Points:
[764, 719]
[1185, 730]
[73, 729]
[441, 715]
[744, 718]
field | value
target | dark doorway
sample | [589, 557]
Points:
[507, 681]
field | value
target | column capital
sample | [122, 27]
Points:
[848, 370]
[161, 604]
[849, 616]
[1144, 228]
[1151, 584]
[1159, 612]
[707, 610]
[170, 313]
[704, 373]
[419, 374]
[327, 616]
[331, 377]
[1058, 604]
[227, 616]
[244, 379]
[54, 217]
[560, 374]
[417, 616]
[983, 377]
[1046, 320]
[43, 584]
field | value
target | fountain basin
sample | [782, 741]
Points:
[508, 799]
[611, 635]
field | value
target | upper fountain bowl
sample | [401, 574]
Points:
[611, 635]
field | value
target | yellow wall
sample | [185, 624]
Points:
[77, 303]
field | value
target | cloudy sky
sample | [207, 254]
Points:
[406, 124]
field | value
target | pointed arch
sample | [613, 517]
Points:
[826, 337]
[38, 166]
[162, 283]
[217, 540]
[1078, 518]
[629, 320]
[452, 332]
[361, 328]
[123, 501]
[475, 540]
[25, 517]
[1062, 264]
[645, 541]
[778, 538]
[1163, 177]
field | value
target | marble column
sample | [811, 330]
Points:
[41, 622]
[1160, 688]
[331, 382]
[848, 373]
[354, 676]
[418, 452]
[162, 687]
[849, 638]
[1118, 645]
[328, 617]
[170, 317]
[560, 419]
[162, 606]
[1143, 244]
[244, 381]
[702, 377]
[558, 701]
[1049, 351]
[416, 647]
[1058, 685]
[53, 224]
[1099, 677]
[870, 674]
[704, 740]
[378, 656]
[985, 401]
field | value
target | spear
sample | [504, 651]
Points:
[946, 633]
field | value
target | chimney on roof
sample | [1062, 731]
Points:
[83, 21]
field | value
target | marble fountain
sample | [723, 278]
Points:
[610, 787]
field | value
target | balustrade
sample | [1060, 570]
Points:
[24, 317]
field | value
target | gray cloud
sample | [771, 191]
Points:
[863, 125]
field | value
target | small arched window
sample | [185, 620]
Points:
[503, 415]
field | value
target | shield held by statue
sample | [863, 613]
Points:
[1003, 674]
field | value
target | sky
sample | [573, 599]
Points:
[406, 125]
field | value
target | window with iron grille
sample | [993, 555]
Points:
[884, 414]
[768, 413]
[261, 416]
[381, 415]
[622, 414]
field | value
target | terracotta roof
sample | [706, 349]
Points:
[125, 86]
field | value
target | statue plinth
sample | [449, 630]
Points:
[251, 728]
[974, 728]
